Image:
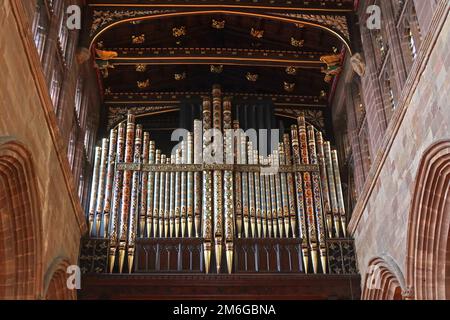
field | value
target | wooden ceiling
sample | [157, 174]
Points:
[248, 47]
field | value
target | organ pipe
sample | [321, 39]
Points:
[109, 180]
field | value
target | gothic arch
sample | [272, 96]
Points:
[20, 224]
[56, 280]
[384, 280]
[428, 261]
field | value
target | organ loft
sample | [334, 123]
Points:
[224, 149]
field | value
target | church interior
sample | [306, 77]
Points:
[228, 149]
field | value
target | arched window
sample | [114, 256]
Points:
[41, 26]
[409, 33]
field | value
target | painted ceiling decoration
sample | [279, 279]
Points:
[154, 54]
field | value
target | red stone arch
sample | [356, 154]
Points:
[56, 280]
[428, 259]
[20, 224]
[383, 281]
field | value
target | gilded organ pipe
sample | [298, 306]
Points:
[134, 210]
[324, 183]
[167, 200]
[156, 195]
[101, 186]
[190, 186]
[317, 199]
[237, 178]
[251, 191]
[309, 197]
[126, 191]
[228, 185]
[207, 189]
[144, 185]
[290, 185]
[198, 159]
[150, 190]
[340, 195]
[109, 180]
[300, 198]
[117, 195]
[94, 188]
[332, 188]
[218, 177]
[257, 196]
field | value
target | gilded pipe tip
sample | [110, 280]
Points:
[218, 248]
[130, 262]
[121, 259]
[207, 256]
[315, 261]
[323, 259]
[306, 260]
[112, 259]
[230, 261]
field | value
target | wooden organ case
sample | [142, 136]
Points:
[217, 218]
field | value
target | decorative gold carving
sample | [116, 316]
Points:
[297, 43]
[216, 68]
[334, 22]
[141, 67]
[143, 84]
[179, 32]
[180, 76]
[314, 117]
[218, 24]
[258, 34]
[292, 71]
[333, 68]
[104, 67]
[102, 18]
[252, 77]
[138, 39]
[106, 55]
[288, 86]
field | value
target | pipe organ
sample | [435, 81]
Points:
[217, 189]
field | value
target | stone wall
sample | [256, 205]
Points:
[381, 218]
[26, 117]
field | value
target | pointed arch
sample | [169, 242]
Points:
[384, 280]
[20, 224]
[56, 281]
[428, 261]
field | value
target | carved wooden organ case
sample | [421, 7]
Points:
[217, 204]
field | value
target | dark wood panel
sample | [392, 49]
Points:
[224, 287]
